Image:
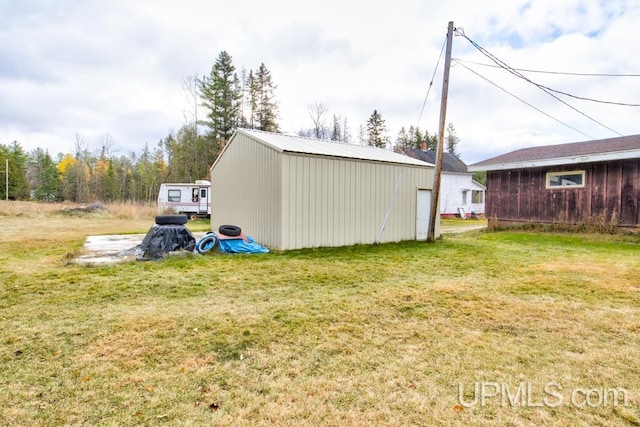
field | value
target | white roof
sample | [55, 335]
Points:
[296, 144]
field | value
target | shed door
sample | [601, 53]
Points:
[423, 208]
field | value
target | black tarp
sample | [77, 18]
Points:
[162, 239]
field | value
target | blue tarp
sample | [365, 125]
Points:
[229, 246]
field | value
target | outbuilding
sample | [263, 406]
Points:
[290, 192]
[577, 183]
[460, 195]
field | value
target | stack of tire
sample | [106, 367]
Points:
[167, 235]
[210, 240]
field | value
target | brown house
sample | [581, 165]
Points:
[568, 183]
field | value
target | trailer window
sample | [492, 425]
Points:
[565, 179]
[174, 195]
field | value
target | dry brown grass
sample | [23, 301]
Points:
[41, 210]
[369, 335]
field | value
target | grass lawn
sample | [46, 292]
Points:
[505, 328]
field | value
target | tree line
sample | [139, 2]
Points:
[219, 103]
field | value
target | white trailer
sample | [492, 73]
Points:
[194, 200]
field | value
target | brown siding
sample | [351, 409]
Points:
[612, 189]
[521, 195]
[597, 180]
[629, 193]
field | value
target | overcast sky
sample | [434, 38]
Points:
[115, 68]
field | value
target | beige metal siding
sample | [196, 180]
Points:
[329, 201]
[246, 190]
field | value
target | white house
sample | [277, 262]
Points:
[460, 195]
[289, 192]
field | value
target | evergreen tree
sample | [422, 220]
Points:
[68, 171]
[4, 156]
[251, 100]
[376, 129]
[417, 137]
[221, 95]
[46, 183]
[452, 140]
[402, 141]
[18, 163]
[265, 114]
[189, 157]
[432, 141]
[111, 189]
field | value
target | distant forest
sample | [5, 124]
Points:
[220, 103]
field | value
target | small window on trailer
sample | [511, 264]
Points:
[574, 179]
[174, 195]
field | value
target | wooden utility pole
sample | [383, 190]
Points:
[435, 194]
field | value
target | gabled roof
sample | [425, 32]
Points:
[296, 144]
[450, 163]
[624, 147]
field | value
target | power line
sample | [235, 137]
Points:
[522, 100]
[545, 89]
[563, 73]
[432, 78]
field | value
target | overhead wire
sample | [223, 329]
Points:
[545, 89]
[522, 100]
[562, 73]
[432, 78]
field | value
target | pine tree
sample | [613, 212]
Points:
[18, 159]
[452, 140]
[432, 141]
[265, 115]
[417, 137]
[402, 141]
[376, 129]
[46, 185]
[221, 95]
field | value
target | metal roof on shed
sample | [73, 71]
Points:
[296, 144]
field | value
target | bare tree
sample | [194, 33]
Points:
[106, 145]
[190, 86]
[317, 112]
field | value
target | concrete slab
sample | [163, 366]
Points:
[111, 249]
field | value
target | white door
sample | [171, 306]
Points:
[204, 200]
[423, 212]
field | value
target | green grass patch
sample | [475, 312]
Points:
[379, 334]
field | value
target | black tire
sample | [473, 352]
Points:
[230, 230]
[171, 219]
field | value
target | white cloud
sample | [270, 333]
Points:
[116, 68]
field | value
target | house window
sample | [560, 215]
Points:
[565, 179]
[477, 196]
[464, 196]
[174, 195]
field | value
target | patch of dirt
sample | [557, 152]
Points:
[83, 210]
